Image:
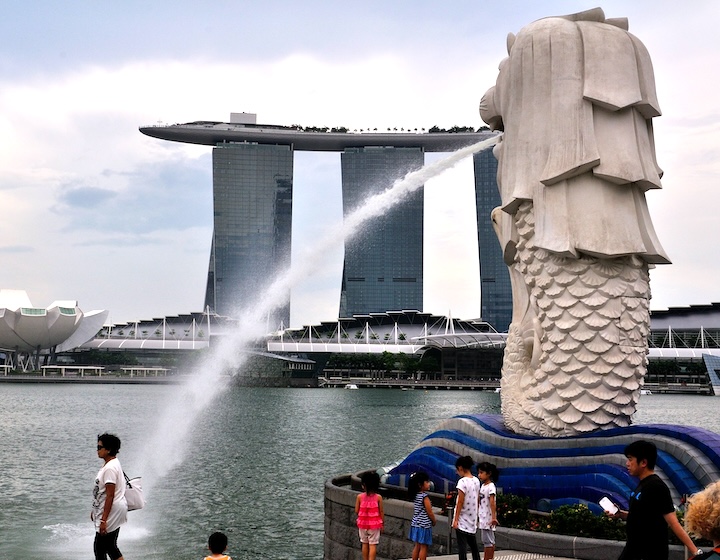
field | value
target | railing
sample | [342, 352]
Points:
[73, 370]
[409, 384]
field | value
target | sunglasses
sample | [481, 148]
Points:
[101, 447]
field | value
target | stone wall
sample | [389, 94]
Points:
[341, 534]
[342, 542]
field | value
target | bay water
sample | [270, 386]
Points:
[252, 465]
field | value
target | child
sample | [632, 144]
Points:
[702, 518]
[217, 544]
[487, 513]
[466, 509]
[370, 516]
[423, 516]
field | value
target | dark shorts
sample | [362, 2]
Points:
[106, 545]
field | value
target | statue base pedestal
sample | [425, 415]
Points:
[558, 471]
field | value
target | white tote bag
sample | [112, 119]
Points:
[134, 493]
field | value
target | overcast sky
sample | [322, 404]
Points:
[93, 210]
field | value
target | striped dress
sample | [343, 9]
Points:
[421, 526]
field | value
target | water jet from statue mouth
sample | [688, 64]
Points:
[166, 447]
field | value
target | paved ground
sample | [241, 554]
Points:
[506, 555]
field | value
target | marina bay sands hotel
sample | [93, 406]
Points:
[383, 266]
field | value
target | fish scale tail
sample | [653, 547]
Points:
[584, 365]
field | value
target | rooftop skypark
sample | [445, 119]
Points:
[320, 139]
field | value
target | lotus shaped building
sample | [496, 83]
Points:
[28, 333]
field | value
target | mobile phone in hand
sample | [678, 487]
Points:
[608, 506]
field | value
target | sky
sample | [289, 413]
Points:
[94, 211]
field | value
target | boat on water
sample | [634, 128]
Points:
[351, 386]
[645, 392]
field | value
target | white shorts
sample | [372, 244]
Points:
[488, 537]
[369, 536]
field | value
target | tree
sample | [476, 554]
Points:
[389, 361]
[411, 366]
[429, 364]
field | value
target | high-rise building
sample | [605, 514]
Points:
[252, 206]
[383, 267]
[495, 288]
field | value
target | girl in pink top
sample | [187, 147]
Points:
[370, 516]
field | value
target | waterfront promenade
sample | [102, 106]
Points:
[106, 379]
[507, 555]
[408, 384]
[364, 382]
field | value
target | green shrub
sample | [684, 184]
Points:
[512, 510]
[574, 520]
[578, 520]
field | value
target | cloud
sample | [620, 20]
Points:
[79, 183]
[16, 249]
[84, 197]
[163, 196]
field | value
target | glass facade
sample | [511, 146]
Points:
[252, 205]
[383, 267]
[712, 363]
[495, 288]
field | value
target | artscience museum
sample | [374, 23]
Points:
[30, 336]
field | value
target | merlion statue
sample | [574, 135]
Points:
[575, 99]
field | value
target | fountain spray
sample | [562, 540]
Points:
[210, 378]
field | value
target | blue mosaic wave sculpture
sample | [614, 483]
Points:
[554, 471]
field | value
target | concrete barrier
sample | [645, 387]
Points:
[341, 534]
[341, 540]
